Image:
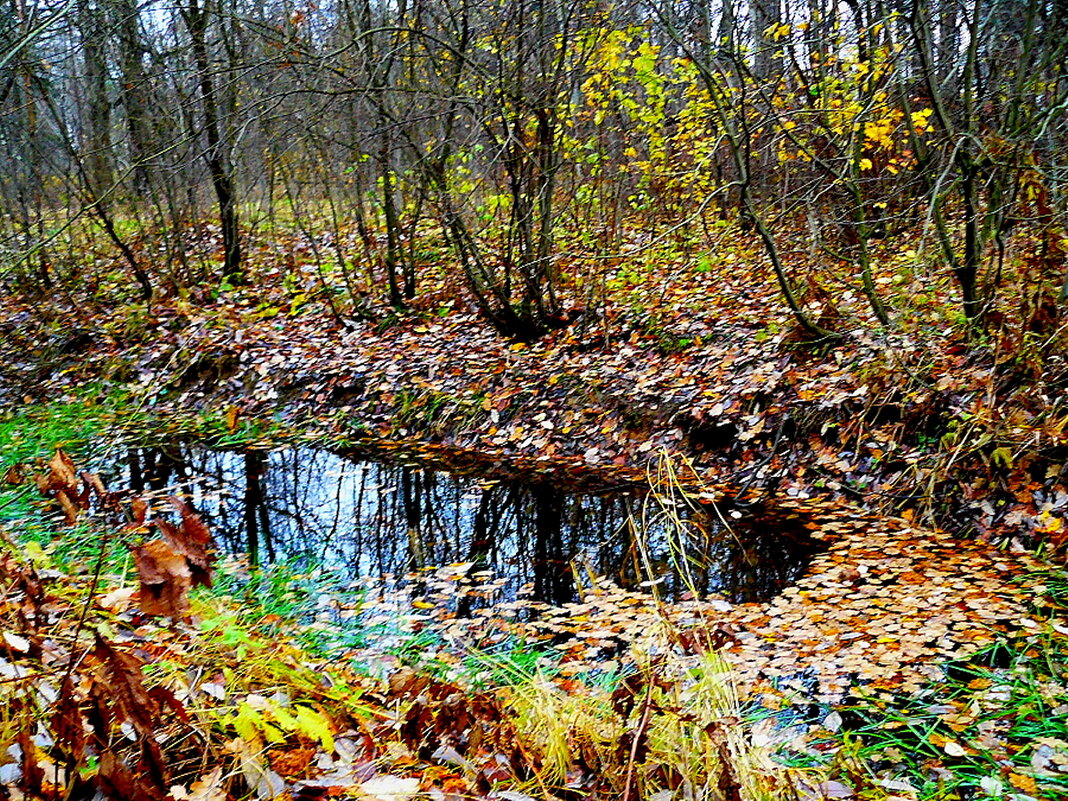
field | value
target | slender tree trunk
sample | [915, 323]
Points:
[389, 209]
[133, 89]
[767, 65]
[216, 156]
[252, 501]
[96, 141]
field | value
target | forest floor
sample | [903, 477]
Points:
[928, 462]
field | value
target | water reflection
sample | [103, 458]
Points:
[376, 518]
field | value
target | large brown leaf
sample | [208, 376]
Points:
[192, 539]
[193, 528]
[62, 472]
[121, 675]
[67, 722]
[93, 485]
[138, 512]
[70, 504]
[166, 579]
[61, 483]
[130, 701]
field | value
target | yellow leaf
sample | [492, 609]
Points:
[1025, 783]
[283, 718]
[314, 724]
[248, 723]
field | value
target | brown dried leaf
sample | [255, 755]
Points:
[15, 475]
[70, 505]
[121, 675]
[118, 600]
[63, 474]
[62, 484]
[164, 697]
[119, 783]
[138, 511]
[165, 579]
[406, 683]
[24, 578]
[91, 481]
[191, 539]
[211, 787]
[193, 528]
[68, 724]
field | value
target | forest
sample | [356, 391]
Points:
[586, 400]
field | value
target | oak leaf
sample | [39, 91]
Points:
[191, 539]
[166, 579]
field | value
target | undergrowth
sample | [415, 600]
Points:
[279, 657]
[996, 726]
[274, 663]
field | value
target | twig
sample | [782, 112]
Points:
[97, 570]
[738, 495]
[639, 734]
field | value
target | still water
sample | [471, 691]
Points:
[374, 518]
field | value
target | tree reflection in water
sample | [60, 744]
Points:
[377, 518]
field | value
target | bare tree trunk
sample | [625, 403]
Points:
[216, 155]
[133, 89]
[96, 140]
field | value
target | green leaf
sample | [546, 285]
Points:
[1002, 457]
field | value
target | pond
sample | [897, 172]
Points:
[375, 518]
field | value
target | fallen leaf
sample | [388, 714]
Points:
[118, 600]
[19, 645]
[954, 749]
[207, 788]
[263, 781]
[165, 579]
[833, 789]
[390, 788]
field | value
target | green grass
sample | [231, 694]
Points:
[34, 431]
[996, 726]
[30, 435]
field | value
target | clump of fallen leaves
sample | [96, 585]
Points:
[75, 698]
[61, 481]
[173, 563]
[995, 724]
